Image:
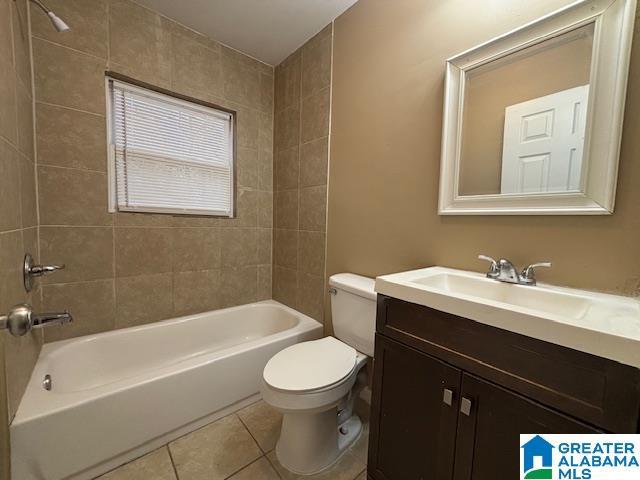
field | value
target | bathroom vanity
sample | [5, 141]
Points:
[451, 394]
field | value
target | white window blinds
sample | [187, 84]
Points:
[169, 155]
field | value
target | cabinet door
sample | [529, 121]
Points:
[489, 427]
[414, 414]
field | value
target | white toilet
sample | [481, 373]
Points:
[314, 384]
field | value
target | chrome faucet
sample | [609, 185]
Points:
[504, 271]
[21, 320]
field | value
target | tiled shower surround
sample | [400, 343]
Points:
[302, 105]
[18, 210]
[128, 269]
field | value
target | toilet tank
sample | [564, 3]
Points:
[353, 309]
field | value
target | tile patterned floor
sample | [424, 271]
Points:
[237, 447]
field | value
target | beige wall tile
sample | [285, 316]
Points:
[10, 187]
[285, 253]
[313, 207]
[24, 104]
[72, 197]
[28, 198]
[130, 219]
[238, 285]
[266, 92]
[239, 247]
[196, 249]
[140, 40]
[286, 206]
[310, 295]
[11, 255]
[248, 127]
[246, 61]
[265, 209]
[246, 210]
[92, 304]
[69, 138]
[259, 470]
[287, 168]
[247, 167]
[241, 84]
[315, 116]
[8, 111]
[68, 78]
[197, 65]
[214, 452]
[155, 465]
[316, 63]
[265, 247]
[311, 252]
[285, 285]
[88, 22]
[6, 40]
[314, 159]
[264, 282]
[143, 299]
[141, 251]
[87, 253]
[287, 127]
[21, 41]
[266, 131]
[287, 82]
[265, 169]
[195, 292]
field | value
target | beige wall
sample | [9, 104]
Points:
[388, 76]
[301, 156]
[18, 213]
[492, 88]
[128, 269]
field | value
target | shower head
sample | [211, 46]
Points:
[58, 23]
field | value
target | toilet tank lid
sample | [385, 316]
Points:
[356, 284]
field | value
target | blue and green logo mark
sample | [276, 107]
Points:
[539, 448]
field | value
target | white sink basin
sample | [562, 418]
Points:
[603, 325]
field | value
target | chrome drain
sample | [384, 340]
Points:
[47, 382]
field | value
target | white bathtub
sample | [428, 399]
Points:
[118, 395]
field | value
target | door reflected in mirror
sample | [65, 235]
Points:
[525, 118]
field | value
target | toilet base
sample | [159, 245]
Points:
[312, 442]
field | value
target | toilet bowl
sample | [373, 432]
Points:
[314, 384]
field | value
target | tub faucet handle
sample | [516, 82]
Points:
[21, 320]
[31, 271]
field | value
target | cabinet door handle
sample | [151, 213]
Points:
[447, 397]
[465, 406]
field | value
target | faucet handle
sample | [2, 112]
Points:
[493, 269]
[528, 275]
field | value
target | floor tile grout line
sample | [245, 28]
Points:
[250, 432]
[173, 463]
[273, 466]
[246, 466]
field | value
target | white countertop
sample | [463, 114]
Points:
[600, 324]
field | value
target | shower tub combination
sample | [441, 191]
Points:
[118, 395]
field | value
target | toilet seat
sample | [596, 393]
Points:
[310, 366]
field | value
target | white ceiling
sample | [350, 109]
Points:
[268, 30]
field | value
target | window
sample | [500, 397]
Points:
[168, 155]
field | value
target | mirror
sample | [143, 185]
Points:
[531, 117]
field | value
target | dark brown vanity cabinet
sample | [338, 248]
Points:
[451, 396]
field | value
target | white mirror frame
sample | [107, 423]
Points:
[614, 23]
